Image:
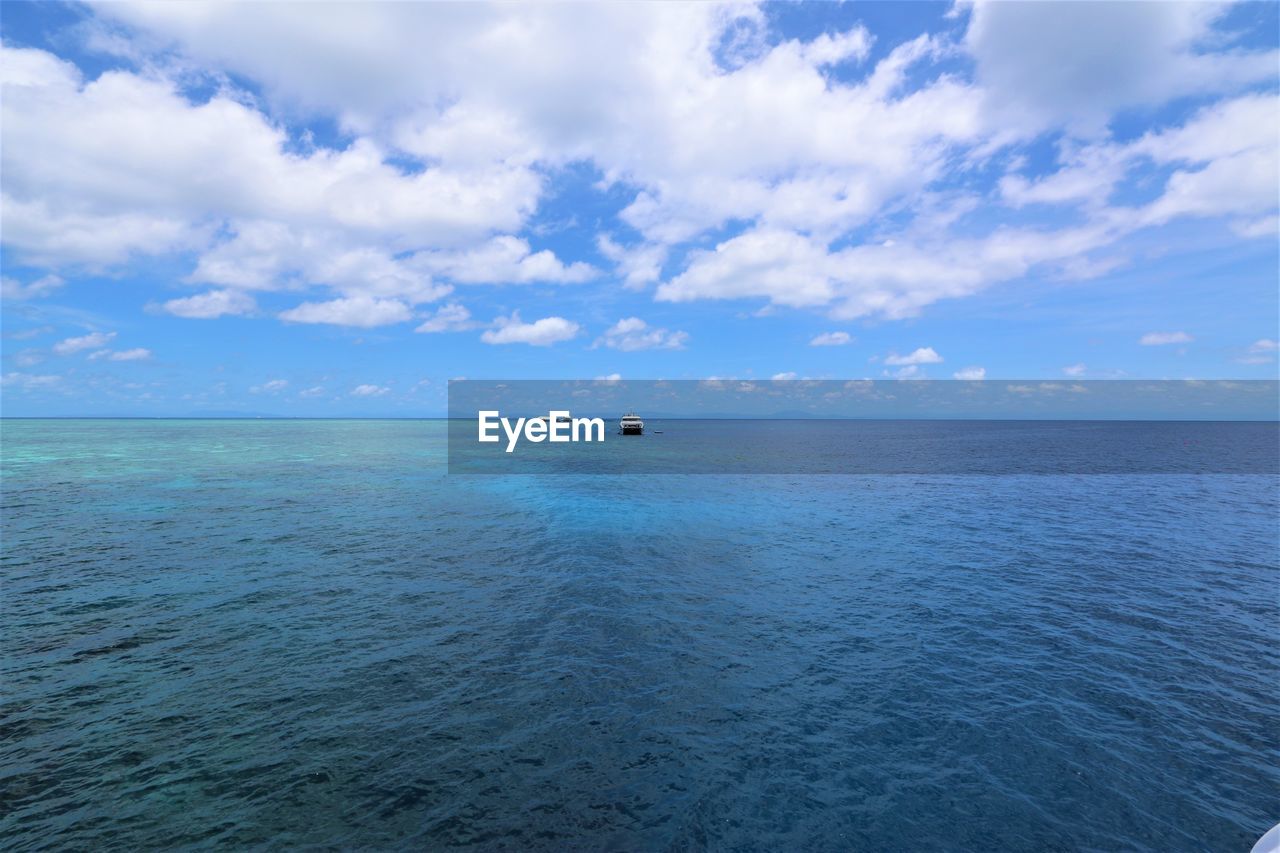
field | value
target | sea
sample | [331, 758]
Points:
[308, 633]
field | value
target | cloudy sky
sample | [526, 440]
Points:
[302, 209]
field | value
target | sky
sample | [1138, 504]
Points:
[311, 210]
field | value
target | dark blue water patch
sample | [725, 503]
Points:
[874, 447]
[306, 634]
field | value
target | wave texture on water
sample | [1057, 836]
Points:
[303, 633]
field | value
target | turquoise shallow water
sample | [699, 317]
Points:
[303, 633]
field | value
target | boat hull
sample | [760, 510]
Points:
[633, 430]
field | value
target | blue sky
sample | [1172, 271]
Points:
[332, 210]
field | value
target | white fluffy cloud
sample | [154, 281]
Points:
[93, 340]
[631, 333]
[922, 355]
[971, 373]
[1156, 339]
[370, 391]
[1225, 162]
[272, 255]
[540, 333]
[784, 266]
[448, 318]
[333, 218]
[893, 278]
[1061, 61]
[778, 143]
[773, 139]
[638, 265]
[821, 190]
[212, 304]
[222, 159]
[360, 311]
[503, 260]
[831, 339]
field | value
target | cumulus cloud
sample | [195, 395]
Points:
[831, 339]
[632, 333]
[540, 333]
[786, 267]
[892, 278]
[1062, 62]
[448, 318]
[922, 355]
[220, 158]
[370, 391]
[286, 213]
[212, 304]
[726, 141]
[828, 49]
[746, 166]
[359, 311]
[1155, 339]
[1077, 369]
[638, 265]
[271, 255]
[504, 260]
[971, 373]
[782, 377]
[101, 198]
[93, 340]
[1223, 160]
[1263, 345]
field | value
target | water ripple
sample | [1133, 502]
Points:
[214, 638]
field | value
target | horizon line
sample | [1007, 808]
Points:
[1275, 420]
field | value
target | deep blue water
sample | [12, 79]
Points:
[718, 446]
[303, 633]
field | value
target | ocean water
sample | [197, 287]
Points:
[871, 447]
[304, 633]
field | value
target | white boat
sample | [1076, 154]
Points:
[631, 424]
[1270, 842]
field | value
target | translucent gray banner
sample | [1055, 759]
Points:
[863, 427]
